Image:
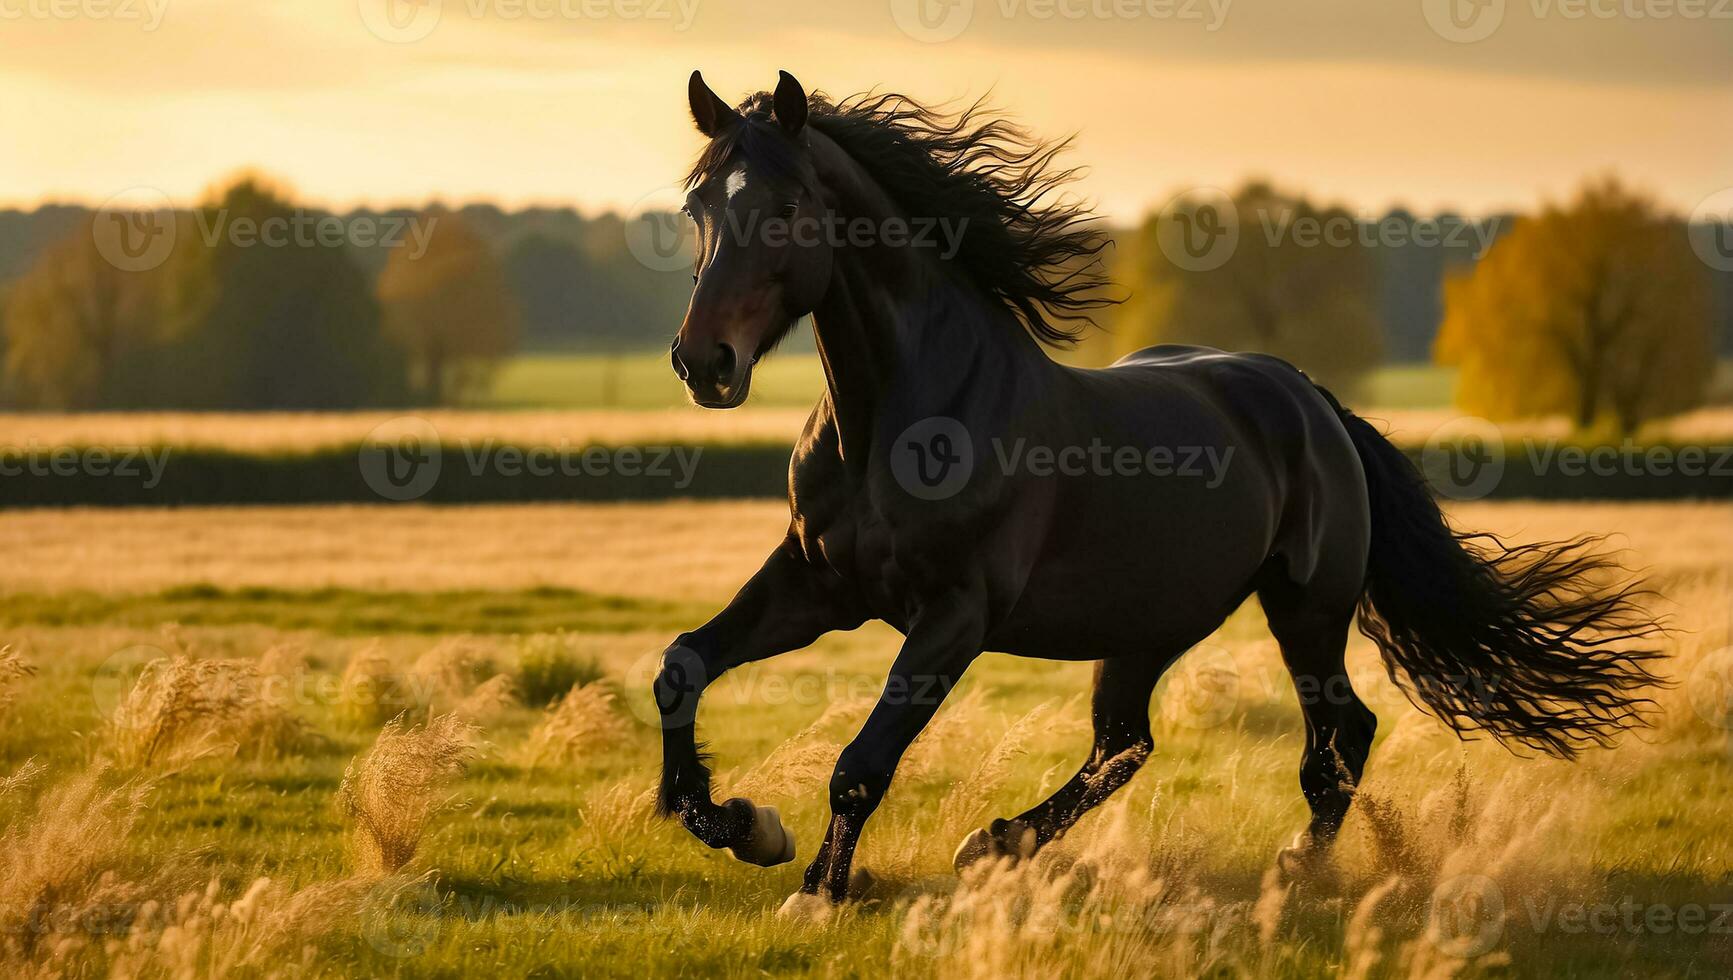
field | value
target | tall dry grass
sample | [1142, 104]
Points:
[586, 721]
[181, 707]
[1113, 900]
[269, 929]
[391, 792]
[60, 861]
[72, 904]
[13, 669]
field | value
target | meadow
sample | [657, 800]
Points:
[200, 775]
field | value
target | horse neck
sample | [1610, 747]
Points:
[890, 310]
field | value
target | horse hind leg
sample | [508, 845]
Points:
[1120, 713]
[1339, 727]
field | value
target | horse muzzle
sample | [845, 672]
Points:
[716, 374]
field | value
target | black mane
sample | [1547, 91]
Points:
[1032, 249]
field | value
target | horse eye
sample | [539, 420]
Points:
[790, 210]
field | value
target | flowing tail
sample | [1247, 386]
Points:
[1528, 642]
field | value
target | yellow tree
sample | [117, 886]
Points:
[1597, 310]
[449, 308]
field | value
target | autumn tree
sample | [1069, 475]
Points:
[72, 319]
[274, 319]
[449, 308]
[1276, 274]
[1596, 310]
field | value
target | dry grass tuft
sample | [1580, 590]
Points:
[584, 721]
[268, 926]
[182, 708]
[13, 668]
[490, 700]
[392, 791]
[58, 860]
[447, 673]
[372, 690]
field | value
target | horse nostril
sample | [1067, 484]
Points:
[680, 368]
[725, 363]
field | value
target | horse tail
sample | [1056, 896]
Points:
[1528, 642]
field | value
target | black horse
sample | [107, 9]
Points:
[957, 483]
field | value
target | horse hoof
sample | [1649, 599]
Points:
[1304, 861]
[769, 843]
[805, 907]
[1008, 838]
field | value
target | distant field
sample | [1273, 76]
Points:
[637, 381]
[644, 381]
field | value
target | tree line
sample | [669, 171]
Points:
[1595, 308]
[1601, 309]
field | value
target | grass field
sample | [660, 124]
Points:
[139, 827]
[790, 380]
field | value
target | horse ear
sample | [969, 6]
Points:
[790, 104]
[710, 113]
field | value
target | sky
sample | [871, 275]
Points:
[1470, 105]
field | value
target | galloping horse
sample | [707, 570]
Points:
[916, 498]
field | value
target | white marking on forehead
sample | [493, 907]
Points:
[736, 183]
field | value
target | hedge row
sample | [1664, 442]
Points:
[111, 478]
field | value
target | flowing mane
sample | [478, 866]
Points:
[1034, 250]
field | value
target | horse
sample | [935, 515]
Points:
[959, 484]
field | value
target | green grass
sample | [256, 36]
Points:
[524, 879]
[351, 612]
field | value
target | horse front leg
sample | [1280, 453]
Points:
[785, 606]
[940, 645]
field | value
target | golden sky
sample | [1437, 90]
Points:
[582, 102]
